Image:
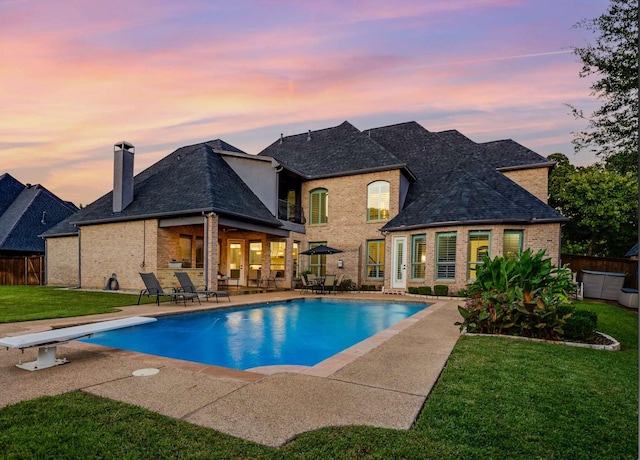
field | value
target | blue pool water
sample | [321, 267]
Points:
[299, 332]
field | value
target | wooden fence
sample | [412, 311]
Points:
[604, 264]
[26, 270]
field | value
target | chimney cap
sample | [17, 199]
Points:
[124, 145]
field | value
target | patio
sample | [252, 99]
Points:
[382, 381]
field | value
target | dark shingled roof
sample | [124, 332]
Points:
[191, 180]
[336, 151]
[455, 184]
[32, 211]
[507, 154]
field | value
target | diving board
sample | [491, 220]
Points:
[48, 341]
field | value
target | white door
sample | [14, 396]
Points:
[399, 265]
[236, 261]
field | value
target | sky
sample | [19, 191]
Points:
[76, 77]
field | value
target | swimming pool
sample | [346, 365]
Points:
[297, 332]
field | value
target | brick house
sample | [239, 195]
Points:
[407, 207]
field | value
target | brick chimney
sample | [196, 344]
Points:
[122, 175]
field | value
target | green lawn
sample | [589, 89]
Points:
[26, 303]
[497, 398]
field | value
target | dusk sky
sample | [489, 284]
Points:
[79, 76]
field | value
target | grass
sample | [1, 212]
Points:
[27, 303]
[497, 398]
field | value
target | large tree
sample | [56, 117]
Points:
[601, 204]
[612, 129]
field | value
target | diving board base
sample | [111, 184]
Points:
[46, 359]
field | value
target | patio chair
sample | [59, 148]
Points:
[329, 284]
[186, 286]
[153, 288]
[254, 275]
[305, 284]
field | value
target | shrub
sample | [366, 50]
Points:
[463, 293]
[346, 285]
[412, 290]
[441, 289]
[580, 325]
[494, 312]
[424, 290]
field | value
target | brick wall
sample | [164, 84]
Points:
[347, 228]
[62, 261]
[125, 249]
[534, 180]
[536, 237]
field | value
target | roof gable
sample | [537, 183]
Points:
[341, 150]
[191, 180]
[454, 181]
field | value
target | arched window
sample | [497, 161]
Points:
[378, 201]
[318, 203]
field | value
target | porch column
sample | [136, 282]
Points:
[211, 248]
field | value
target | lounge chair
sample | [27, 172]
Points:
[153, 288]
[187, 287]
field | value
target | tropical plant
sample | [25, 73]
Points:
[518, 295]
[528, 272]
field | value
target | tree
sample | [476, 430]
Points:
[601, 204]
[612, 130]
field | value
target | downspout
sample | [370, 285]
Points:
[79, 258]
[205, 264]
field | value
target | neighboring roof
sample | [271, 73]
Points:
[633, 251]
[191, 180]
[32, 211]
[455, 184]
[10, 188]
[337, 151]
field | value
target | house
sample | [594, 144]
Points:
[408, 207]
[26, 211]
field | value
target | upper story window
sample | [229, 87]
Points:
[318, 205]
[378, 201]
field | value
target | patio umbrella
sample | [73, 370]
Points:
[319, 250]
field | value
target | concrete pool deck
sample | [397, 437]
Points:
[382, 381]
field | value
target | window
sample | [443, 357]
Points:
[296, 251]
[255, 255]
[418, 256]
[278, 252]
[478, 250]
[378, 201]
[375, 259]
[200, 252]
[318, 204]
[446, 256]
[512, 242]
[317, 262]
[185, 251]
